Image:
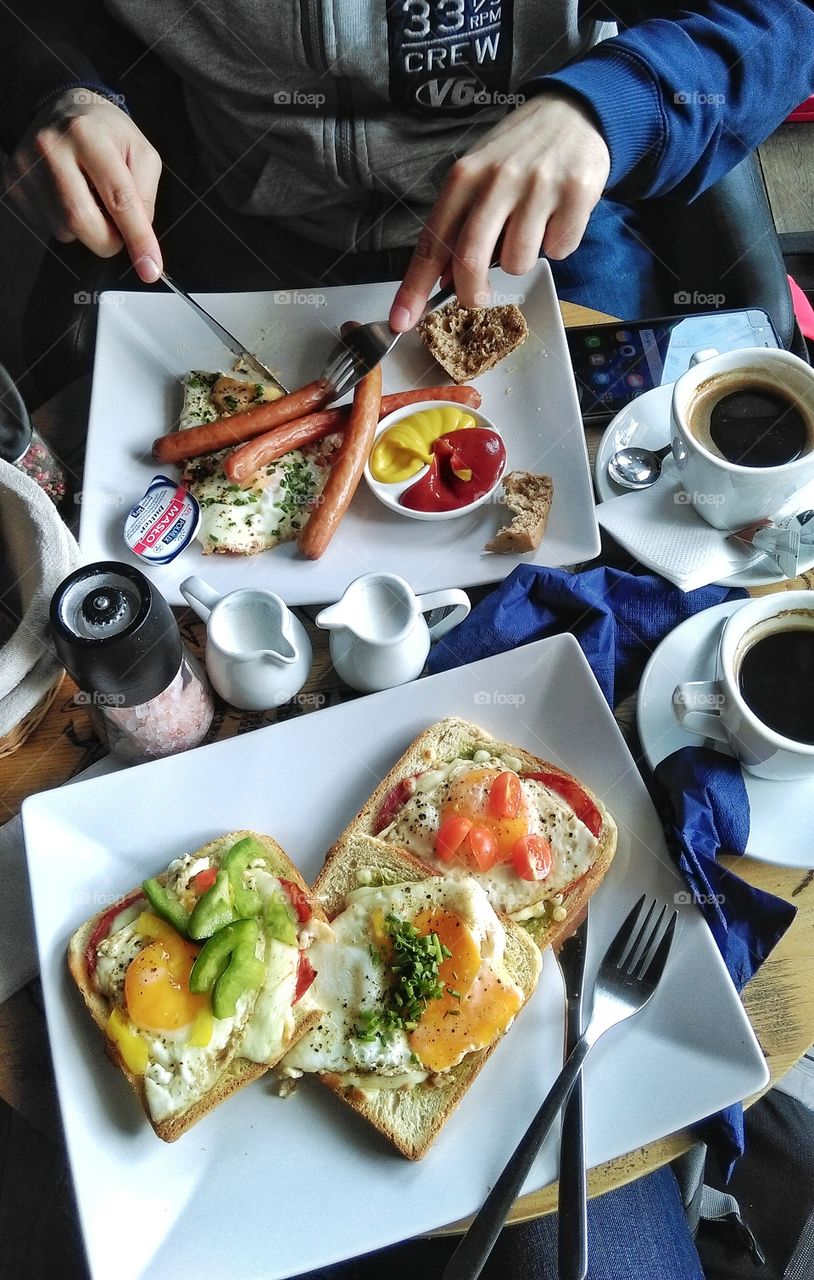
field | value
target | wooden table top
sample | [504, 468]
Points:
[779, 1000]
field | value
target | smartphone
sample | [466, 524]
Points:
[614, 363]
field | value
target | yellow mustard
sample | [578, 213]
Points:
[131, 1046]
[403, 449]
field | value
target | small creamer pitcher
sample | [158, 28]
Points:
[258, 654]
[379, 636]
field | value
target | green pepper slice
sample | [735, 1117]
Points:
[247, 901]
[166, 905]
[279, 920]
[214, 909]
[227, 966]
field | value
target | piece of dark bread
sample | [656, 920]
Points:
[466, 341]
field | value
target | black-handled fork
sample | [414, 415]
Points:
[628, 977]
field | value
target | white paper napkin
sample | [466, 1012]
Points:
[663, 530]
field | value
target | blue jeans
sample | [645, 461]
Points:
[613, 270]
[636, 1233]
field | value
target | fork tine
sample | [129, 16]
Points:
[635, 954]
[655, 967]
[638, 963]
[339, 364]
[618, 947]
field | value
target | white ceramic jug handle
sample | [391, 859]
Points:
[438, 600]
[703, 699]
[706, 353]
[199, 596]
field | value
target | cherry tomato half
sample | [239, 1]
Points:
[505, 796]
[451, 835]
[532, 858]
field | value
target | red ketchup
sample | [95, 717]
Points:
[465, 465]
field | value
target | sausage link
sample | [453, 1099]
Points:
[346, 472]
[243, 463]
[208, 437]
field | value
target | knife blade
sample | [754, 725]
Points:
[572, 1244]
[250, 362]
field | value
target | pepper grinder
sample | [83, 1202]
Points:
[116, 636]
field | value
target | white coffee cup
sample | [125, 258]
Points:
[725, 494]
[717, 709]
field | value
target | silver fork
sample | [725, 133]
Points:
[366, 346]
[628, 976]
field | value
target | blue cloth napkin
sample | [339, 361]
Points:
[619, 618]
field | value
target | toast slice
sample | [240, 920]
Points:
[411, 1115]
[236, 1071]
[466, 341]
[558, 902]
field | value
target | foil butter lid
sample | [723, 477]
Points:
[163, 522]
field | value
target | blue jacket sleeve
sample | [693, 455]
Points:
[684, 92]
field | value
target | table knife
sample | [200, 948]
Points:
[573, 1202]
[250, 362]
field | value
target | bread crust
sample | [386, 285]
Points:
[240, 1071]
[411, 1118]
[529, 498]
[444, 741]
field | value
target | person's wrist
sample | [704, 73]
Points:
[75, 96]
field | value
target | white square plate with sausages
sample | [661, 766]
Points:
[146, 342]
[262, 1187]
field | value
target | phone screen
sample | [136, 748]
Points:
[615, 363]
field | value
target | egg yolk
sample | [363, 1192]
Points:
[476, 1005]
[469, 795]
[156, 985]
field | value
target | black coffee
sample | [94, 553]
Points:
[755, 427]
[776, 681]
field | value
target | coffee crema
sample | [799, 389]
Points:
[776, 681]
[749, 422]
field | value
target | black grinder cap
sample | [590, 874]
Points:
[114, 633]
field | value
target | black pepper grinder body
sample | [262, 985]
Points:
[116, 635]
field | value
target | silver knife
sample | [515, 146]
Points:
[249, 362]
[573, 1200]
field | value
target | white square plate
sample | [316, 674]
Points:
[235, 1197]
[147, 341]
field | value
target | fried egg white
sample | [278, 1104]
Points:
[463, 785]
[158, 1014]
[352, 979]
[274, 508]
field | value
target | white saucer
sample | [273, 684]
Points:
[645, 422]
[688, 653]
